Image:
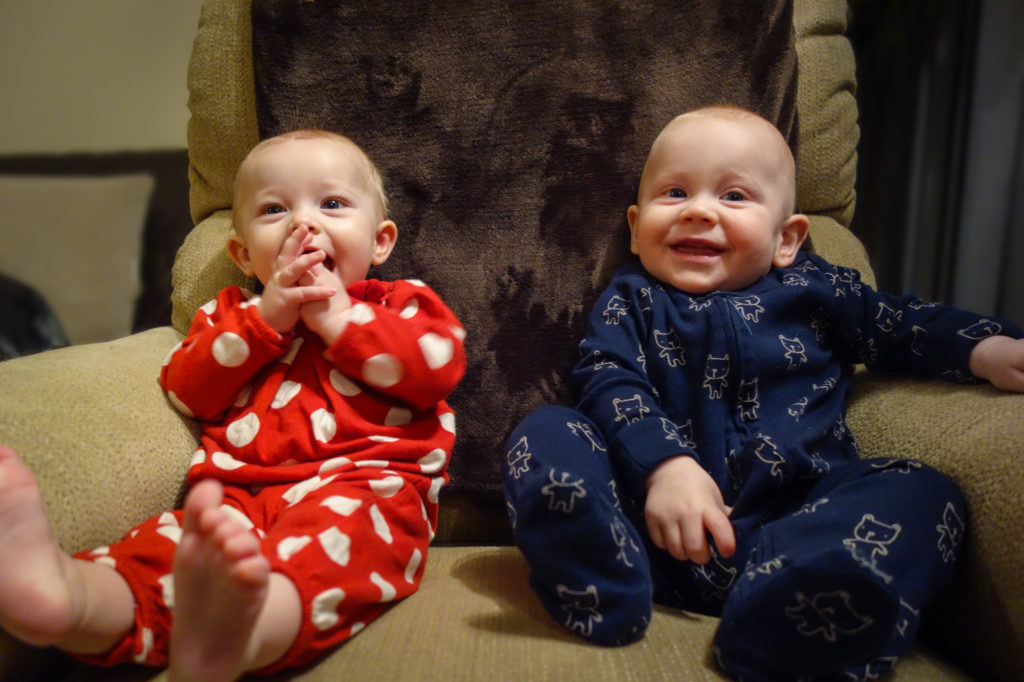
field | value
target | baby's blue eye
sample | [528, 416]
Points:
[273, 208]
[734, 196]
[332, 204]
[676, 193]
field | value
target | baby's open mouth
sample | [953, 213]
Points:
[697, 247]
[328, 261]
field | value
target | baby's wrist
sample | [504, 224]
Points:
[668, 468]
[328, 319]
[330, 330]
[273, 318]
[982, 356]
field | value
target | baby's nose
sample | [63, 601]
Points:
[698, 211]
[304, 220]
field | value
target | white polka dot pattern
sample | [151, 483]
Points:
[170, 354]
[288, 393]
[382, 370]
[380, 525]
[223, 460]
[387, 590]
[240, 518]
[285, 392]
[336, 545]
[325, 608]
[343, 506]
[414, 563]
[410, 309]
[289, 547]
[324, 425]
[167, 589]
[361, 314]
[303, 488]
[387, 487]
[167, 526]
[243, 396]
[179, 405]
[230, 350]
[343, 385]
[435, 489]
[242, 431]
[293, 350]
[433, 461]
[437, 350]
[147, 646]
[198, 457]
[333, 463]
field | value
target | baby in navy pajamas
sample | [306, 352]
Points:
[708, 465]
[325, 440]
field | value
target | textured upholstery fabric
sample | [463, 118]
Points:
[475, 618]
[109, 451]
[95, 427]
[510, 160]
[974, 434]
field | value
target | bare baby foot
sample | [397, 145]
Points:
[37, 600]
[220, 585]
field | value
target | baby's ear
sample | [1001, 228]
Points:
[239, 253]
[384, 242]
[632, 214]
[791, 238]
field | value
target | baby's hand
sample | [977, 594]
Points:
[1000, 360]
[288, 288]
[326, 317]
[683, 505]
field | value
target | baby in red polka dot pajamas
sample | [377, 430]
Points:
[325, 440]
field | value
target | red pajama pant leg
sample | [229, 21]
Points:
[351, 548]
[143, 558]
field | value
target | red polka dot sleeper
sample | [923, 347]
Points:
[333, 456]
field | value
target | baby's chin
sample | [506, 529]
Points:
[698, 286]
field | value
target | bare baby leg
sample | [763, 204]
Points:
[46, 597]
[231, 613]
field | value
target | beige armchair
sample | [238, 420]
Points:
[109, 451]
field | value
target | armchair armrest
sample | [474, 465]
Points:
[93, 424]
[975, 435]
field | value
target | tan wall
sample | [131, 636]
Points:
[94, 75]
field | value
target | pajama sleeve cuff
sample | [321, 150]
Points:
[642, 447]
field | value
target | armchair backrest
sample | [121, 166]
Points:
[511, 140]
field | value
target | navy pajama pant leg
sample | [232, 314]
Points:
[834, 589]
[830, 590]
[587, 561]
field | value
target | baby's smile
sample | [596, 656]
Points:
[697, 247]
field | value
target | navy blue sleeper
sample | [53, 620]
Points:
[836, 556]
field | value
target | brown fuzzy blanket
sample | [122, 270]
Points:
[511, 135]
